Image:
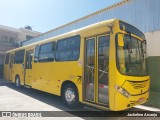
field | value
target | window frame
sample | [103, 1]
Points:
[53, 51]
[15, 57]
[79, 37]
[117, 59]
[46, 44]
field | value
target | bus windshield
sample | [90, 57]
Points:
[131, 58]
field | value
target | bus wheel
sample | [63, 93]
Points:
[17, 82]
[70, 96]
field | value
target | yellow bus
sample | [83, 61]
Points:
[101, 65]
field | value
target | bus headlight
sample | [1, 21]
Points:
[123, 91]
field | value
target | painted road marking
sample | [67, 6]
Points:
[147, 108]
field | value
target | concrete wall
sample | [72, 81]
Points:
[24, 32]
[10, 42]
[153, 50]
[9, 38]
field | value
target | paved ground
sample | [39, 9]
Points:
[154, 100]
[24, 99]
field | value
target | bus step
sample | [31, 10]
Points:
[27, 86]
[90, 108]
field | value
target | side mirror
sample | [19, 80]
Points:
[145, 42]
[120, 40]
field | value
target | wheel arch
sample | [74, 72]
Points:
[16, 77]
[68, 82]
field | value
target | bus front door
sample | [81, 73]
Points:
[28, 68]
[96, 70]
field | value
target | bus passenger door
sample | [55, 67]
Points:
[89, 78]
[96, 70]
[11, 67]
[102, 69]
[28, 68]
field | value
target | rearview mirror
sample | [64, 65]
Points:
[120, 40]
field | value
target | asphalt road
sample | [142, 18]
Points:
[25, 99]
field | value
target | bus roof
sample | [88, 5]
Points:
[71, 33]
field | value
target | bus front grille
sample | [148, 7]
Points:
[138, 84]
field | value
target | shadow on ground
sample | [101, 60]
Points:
[56, 101]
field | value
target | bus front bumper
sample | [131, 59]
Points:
[122, 102]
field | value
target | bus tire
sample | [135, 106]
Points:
[70, 96]
[17, 82]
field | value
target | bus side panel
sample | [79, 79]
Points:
[18, 70]
[6, 72]
[49, 76]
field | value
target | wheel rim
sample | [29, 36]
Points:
[70, 95]
[17, 82]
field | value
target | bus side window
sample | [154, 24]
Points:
[7, 58]
[19, 57]
[46, 52]
[36, 53]
[68, 49]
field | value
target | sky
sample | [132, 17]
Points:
[44, 15]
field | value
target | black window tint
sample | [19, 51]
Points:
[68, 49]
[7, 58]
[19, 57]
[36, 53]
[46, 53]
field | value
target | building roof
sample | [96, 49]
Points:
[143, 14]
[9, 28]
